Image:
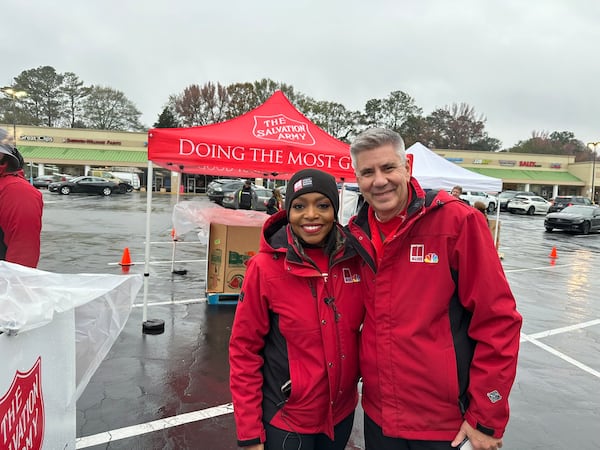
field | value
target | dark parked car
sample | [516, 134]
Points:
[562, 201]
[86, 185]
[263, 195]
[216, 189]
[577, 218]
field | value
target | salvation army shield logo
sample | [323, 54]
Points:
[282, 129]
[22, 411]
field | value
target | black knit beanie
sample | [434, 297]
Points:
[312, 180]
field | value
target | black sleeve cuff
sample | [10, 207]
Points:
[248, 442]
[485, 430]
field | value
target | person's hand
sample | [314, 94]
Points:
[255, 447]
[478, 440]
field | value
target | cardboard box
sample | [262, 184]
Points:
[229, 247]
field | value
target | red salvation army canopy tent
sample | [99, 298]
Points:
[273, 140]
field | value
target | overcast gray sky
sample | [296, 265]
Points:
[525, 65]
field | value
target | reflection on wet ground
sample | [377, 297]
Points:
[170, 391]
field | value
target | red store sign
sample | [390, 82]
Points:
[527, 164]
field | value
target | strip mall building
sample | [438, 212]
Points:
[76, 151]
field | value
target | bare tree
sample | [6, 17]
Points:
[108, 109]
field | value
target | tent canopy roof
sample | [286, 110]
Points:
[273, 140]
[434, 172]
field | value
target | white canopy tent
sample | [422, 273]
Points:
[435, 172]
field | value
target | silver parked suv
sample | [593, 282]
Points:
[488, 200]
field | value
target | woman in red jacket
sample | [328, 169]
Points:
[294, 345]
[21, 208]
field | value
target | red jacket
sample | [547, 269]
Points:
[441, 331]
[21, 208]
[293, 323]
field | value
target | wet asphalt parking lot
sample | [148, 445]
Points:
[170, 391]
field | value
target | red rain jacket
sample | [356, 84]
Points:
[293, 323]
[21, 207]
[441, 331]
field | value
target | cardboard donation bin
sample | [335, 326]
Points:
[229, 247]
[232, 237]
[55, 330]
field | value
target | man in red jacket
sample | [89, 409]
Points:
[440, 338]
[21, 208]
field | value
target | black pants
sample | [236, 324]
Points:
[278, 439]
[375, 440]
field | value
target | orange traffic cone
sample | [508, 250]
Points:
[553, 254]
[125, 260]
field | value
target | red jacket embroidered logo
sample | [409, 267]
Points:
[22, 411]
[282, 129]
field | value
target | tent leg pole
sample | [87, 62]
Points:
[152, 326]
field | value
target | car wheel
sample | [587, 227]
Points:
[65, 190]
[129, 188]
[549, 229]
[531, 211]
[585, 228]
[122, 189]
[491, 207]
[510, 210]
[106, 191]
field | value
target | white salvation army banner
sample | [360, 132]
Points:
[37, 387]
[55, 330]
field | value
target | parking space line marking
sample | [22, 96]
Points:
[155, 425]
[526, 269]
[543, 334]
[561, 355]
[174, 302]
[141, 263]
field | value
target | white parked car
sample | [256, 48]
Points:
[528, 204]
[488, 200]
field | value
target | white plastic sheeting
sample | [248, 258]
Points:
[195, 215]
[30, 298]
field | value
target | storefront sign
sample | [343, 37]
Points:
[481, 161]
[26, 137]
[507, 162]
[91, 141]
[455, 160]
[529, 164]
[555, 165]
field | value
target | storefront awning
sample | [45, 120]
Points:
[82, 155]
[530, 176]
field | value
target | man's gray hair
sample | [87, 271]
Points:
[377, 137]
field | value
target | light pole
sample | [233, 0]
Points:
[592, 146]
[15, 95]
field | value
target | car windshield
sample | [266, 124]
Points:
[579, 210]
[506, 195]
[563, 200]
